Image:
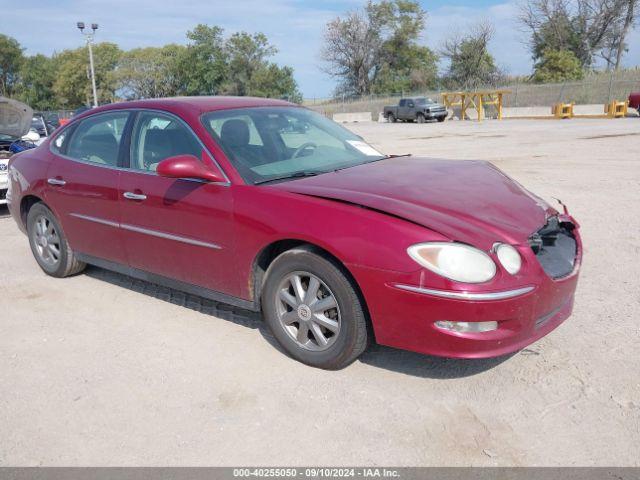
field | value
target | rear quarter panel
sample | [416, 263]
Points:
[28, 176]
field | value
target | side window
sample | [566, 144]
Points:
[97, 139]
[402, 103]
[61, 142]
[156, 137]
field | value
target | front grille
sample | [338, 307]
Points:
[555, 247]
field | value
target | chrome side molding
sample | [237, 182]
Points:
[146, 231]
[473, 296]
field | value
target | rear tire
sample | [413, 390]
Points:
[49, 244]
[391, 118]
[313, 309]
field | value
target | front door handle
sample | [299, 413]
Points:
[134, 196]
[56, 182]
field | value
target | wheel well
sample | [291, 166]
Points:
[25, 205]
[271, 252]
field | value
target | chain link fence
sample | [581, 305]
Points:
[596, 88]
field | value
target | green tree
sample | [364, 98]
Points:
[558, 66]
[405, 65]
[37, 77]
[419, 71]
[10, 62]
[249, 71]
[376, 49]
[471, 65]
[151, 72]
[246, 54]
[73, 82]
[585, 27]
[203, 63]
[273, 81]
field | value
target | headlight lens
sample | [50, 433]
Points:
[509, 258]
[455, 261]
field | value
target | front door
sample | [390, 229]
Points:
[177, 228]
[83, 185]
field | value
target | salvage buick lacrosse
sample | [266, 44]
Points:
[268, 206]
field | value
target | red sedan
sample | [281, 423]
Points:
[268, 206]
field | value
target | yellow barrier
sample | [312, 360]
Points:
[562, 110]
[474, 101]
[616, 109]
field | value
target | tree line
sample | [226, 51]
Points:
[376, 49]
[209, 64]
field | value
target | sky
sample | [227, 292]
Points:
[295, 27]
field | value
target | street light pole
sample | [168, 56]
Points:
[89, 37]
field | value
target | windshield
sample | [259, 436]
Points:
[278, 143]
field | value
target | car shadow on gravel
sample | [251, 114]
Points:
[400, 361]
[427, 366]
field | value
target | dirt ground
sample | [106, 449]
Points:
[102, 370]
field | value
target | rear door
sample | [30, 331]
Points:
[177, 228]
[83, 184]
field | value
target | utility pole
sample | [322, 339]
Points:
[89, 37]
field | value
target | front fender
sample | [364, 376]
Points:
[354, 235]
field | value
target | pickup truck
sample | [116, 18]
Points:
[419, 109]
[634, 101]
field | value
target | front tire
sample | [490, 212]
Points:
[420, 118]
[313, 309]
[49, 243]
[441, 119]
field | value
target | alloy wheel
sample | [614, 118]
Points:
[308, 311]
[46, 241]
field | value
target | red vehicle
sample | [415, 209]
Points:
[634, 101]
[269, 206]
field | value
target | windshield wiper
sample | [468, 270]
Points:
[308, 173]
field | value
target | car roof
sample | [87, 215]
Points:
[193, 105]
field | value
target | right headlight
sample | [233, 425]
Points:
[454, 261]
[509, 258]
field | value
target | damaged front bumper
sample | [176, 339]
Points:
[409, 315]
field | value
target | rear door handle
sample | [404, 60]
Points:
[134, 196]
[56, 182]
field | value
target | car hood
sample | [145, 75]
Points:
[467, 201]
[15, 117]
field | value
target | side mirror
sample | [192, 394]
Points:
[188, 166]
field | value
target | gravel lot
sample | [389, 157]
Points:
[102, 370]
